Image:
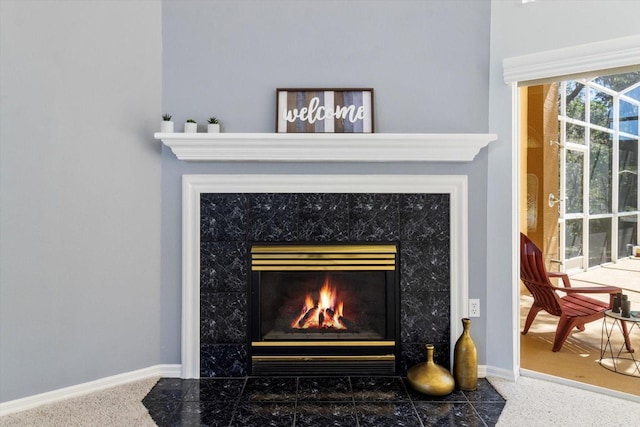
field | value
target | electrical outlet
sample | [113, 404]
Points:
[474, 307]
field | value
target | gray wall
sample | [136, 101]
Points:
[80, 89]
[80, 180]
[518, 29]
[426, 60]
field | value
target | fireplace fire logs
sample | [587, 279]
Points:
[327, 313]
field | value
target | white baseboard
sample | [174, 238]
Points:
[482, 371]
[492, 371]
[577, 384]
[171, 371]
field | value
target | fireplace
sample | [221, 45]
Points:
[324, 309]
[225, 214]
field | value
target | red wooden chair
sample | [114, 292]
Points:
[574, 309]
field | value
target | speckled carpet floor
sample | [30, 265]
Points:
[529, 402]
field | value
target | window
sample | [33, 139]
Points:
[598, 129]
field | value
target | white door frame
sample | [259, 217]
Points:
[620, 54]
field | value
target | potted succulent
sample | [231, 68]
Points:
[214, 125]
[166, 125]
[191, 126]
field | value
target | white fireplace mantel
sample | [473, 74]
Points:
[323, 147]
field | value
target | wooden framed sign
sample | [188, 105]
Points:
[324, 111]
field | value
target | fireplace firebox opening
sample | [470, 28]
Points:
[324, 309]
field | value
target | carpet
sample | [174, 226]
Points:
[530, 402]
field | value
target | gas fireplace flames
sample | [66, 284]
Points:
[327, 313]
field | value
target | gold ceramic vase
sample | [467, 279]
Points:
[465, 360]
[431, 378]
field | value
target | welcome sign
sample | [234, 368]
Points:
[324, 111]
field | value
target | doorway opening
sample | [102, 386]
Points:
[579, 202]
[581, 158]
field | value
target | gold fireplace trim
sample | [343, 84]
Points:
[323, 343]
[309, 358]
[323, 257]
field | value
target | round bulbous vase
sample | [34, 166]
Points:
[430, 378]
[465, 360]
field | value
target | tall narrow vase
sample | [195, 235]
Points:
[431, 378]
[465, 360]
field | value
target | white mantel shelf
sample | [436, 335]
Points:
[323, 147]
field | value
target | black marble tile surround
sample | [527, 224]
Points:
[230, 223]
[317, 402]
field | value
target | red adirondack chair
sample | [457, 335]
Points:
[574, 309]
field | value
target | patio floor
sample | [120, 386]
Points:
[578, 359]
[624, 274]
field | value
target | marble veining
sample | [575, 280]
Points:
[223, 267]
[223, 360]
[314, 414]
[374, 217]
[273, 218]
[424, 267]
[422, 218]
[223, 217]
[324, 389]
[223, 317]
[324, 217]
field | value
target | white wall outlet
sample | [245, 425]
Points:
[474, 307]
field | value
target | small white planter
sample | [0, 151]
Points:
[213, 128]
[190, 128]
[166, 126]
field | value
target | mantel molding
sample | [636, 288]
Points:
[322, 147]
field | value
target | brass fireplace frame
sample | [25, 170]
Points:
[327, 356]
[323, 257]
